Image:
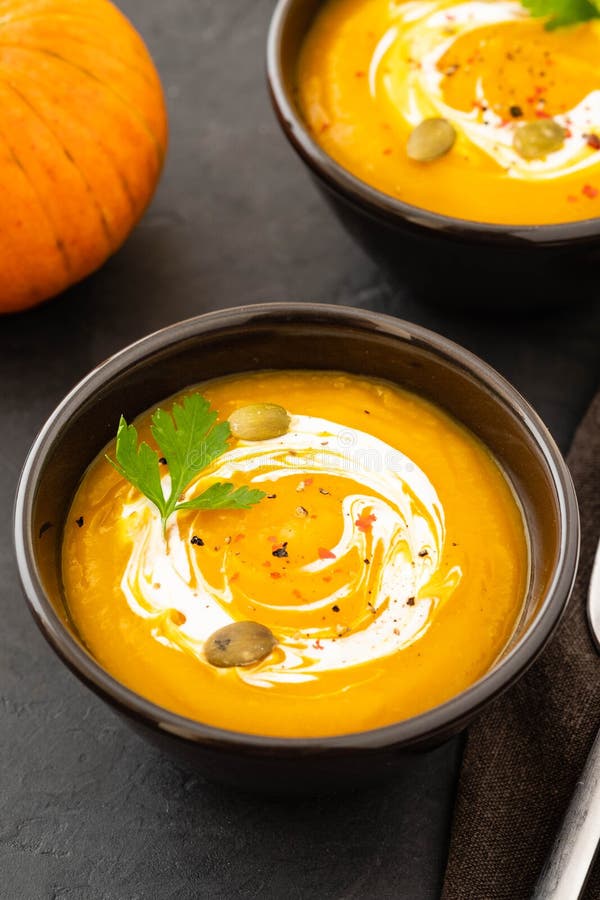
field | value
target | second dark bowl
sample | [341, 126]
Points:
[445, 260]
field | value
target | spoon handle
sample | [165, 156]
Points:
[569, 864]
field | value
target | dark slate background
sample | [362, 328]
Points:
[87, 811]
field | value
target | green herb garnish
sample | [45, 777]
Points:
[189, 439]
[563, 12]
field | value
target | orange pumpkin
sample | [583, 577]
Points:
[83, 135]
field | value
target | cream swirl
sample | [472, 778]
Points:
[404, 540]
[405, 66]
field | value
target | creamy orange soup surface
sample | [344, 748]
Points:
[371, 71]
[388, 558]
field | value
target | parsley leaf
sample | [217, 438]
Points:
[190, 439]
[223, 496]
[563, 12]
[138, 464]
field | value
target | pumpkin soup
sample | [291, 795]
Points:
[372, 565]
[470, 109]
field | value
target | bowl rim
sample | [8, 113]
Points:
[381, 205]
[406, 732]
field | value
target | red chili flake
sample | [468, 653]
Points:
[308, 481]
[317, 644]
[239, 537]
[234, 577]
[593, 141]
[326, 577]
[267, 564]
[326, 554]
[275, 574]
[568, 133]
[396, 631]
[324, 127]
[297, 593]
[387, 151]
[272, 539]
[542, 114]
[589, 191]
[360, 74]
[365, 521]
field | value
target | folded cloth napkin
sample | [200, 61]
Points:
[524, 754]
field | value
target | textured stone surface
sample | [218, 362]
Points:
[87, 811]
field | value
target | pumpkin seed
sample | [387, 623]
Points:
[430, 140]
[259, 422]
[535, 140]
[239, 644]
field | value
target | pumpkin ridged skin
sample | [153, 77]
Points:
[83, 136]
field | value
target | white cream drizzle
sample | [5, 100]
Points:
[416, 91]
[406, 538]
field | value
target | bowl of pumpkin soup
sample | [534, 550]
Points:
[294, 544]
[459, 132]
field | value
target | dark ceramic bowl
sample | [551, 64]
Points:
[275, 336]
[444, 259]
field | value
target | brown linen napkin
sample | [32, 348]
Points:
[524, 755]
